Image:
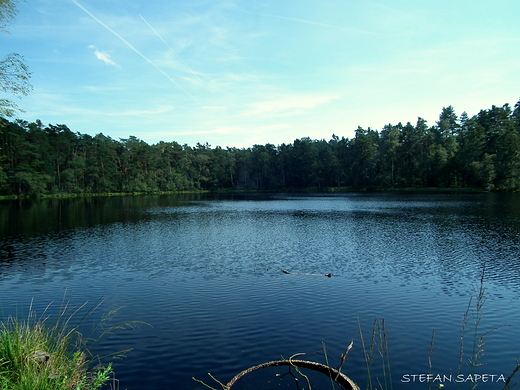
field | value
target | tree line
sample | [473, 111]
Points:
[482, 151]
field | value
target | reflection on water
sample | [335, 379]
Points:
[205, 272]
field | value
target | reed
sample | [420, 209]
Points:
[471, 325]
[377, 358]
[378, 346]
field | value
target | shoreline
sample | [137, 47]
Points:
[311, 190]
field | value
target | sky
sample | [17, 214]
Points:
[235, 73]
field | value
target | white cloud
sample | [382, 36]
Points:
[288, 105]
[214, 107]
[267, 73]
[130, 46]
[130, 113]
[103, 56]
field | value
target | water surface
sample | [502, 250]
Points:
[205, 273]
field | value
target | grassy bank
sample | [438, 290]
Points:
[45, 353]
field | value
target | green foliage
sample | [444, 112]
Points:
[7, 12]
[35, 354]
[479, 152]
[14, 73]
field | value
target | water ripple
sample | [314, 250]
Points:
[206, 276]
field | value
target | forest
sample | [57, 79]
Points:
[481, 152]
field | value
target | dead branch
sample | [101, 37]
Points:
[332, 373]
[299, 273]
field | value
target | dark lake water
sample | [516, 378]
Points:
[204, 272]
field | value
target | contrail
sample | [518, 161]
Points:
[171, 48]
[310, 22]
[130, 46]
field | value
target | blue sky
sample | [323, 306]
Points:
[237, 73]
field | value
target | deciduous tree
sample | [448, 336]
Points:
[14, 73]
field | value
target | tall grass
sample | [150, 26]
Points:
[378, 346]
[47, 353]
[471, 325]
[470, 352]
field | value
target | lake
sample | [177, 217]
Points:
[205, 272]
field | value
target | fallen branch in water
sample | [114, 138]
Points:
[332, 373]
[296, 273]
